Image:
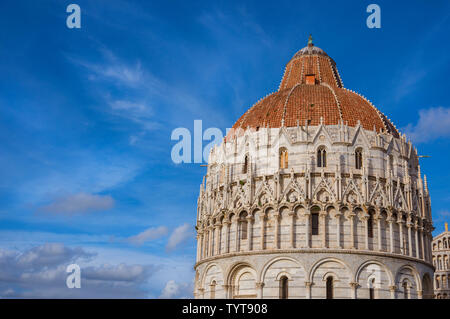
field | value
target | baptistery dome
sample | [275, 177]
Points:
[314, 194]
[311, 91]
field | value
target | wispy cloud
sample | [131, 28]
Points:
[179, 235]
[148, 234]
[79, 203]
[113, 70]
[433, 123]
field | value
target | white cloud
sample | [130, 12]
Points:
[179, 235]
[177, 290]
[40, 272]
[433, 123]
[148, 234]
[114, 70]
[79, 203]
[121, 272]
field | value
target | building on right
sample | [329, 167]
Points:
[441, 256]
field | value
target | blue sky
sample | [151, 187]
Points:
[86, 117]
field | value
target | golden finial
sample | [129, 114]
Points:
[446, 226]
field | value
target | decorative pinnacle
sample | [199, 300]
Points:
[310, 41]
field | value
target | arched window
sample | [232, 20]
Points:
[315, 223]
[245, 167]
[321, 157]
[438, 279]
[213, 290]
[358, 159]
[405, 290]
[284, 160]
[329, 287]
[370, 225]
[284, 287]
[372, 289]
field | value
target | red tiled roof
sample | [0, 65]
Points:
[298, 102]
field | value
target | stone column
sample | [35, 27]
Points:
[308, 289]
[205, 243]
[350, 216]
[323, 225]
[337, 216]
[400, 227]
[217, 232]
[259, 290]
[199, 245]
[227, 292]
[276, 216]
[227, 236]
[365, 219]
[211, 240]
[425, 244]
[379, 235]
[416, 240]
[307, 230]
[201, 293]
[391, 234]
[409, 225]
[236, 233]
[263, 226]
[421, 242]
[430, 252]
[250, 220]
[419, 294]
[354, 286]
[392, 289]
[292, 236]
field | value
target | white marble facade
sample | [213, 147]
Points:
[272, 223]
[441, 262]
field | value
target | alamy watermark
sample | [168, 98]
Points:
[182, 151]
[373, 20]
[74, 19]
[74, 278]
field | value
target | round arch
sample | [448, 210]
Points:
[313, 269]
[267, 265]
[415, 273]
[369, 262]
[205, 272]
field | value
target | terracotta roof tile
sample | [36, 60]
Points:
[297, 101]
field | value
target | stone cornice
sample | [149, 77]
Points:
[312, 251]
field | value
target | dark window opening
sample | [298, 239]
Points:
[321, 158]
[405, 291]
[245, 167]
[370, 225]
[329, 288]
[284, 287]
[358, 159]
[315, 223]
